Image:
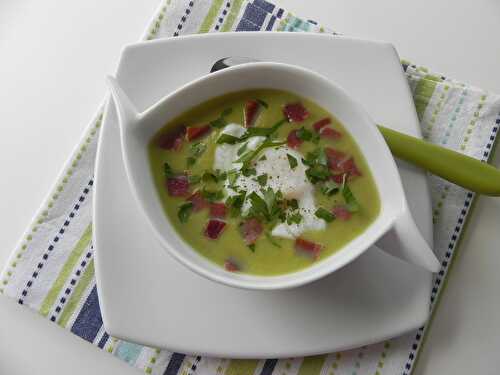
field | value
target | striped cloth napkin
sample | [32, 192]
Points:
[52, 269]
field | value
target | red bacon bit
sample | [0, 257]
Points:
[195, 132]
[330, 133]
[292, 139]
[295, 112]
[251, 229]
[252, 111]
[218, 210]
[334, 158]
[214, 229]
[309, 247]
[349, 166]
[173, 139]
[341, 213]
[199, 203]
[322, 123]
[231, 266]
[178, 186]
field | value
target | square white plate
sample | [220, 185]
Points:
[147, 297]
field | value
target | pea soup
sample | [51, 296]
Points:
[263, 181]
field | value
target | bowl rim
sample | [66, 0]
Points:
[249, 281]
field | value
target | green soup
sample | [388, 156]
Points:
[230, 215]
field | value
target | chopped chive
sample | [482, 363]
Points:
[295, 218]
[242, 149]
[324, 214]
[194, 179]
[271, 240]
[293, 204]
[208, 176]
[212, 196]
[262, 179]
[262, 103]
[330, 187]
[304, 134]
[292, 161]
[227, 138]
[190, 161]
[185, 211]
[262, 158]
[247, 172]
[226, 112]
[167, 169]
[350, 199]
[252, 247]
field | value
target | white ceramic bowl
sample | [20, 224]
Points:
[394, 223]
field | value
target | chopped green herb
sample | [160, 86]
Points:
[271, 240]
[221, 176]
[226, 112]
[247, 172]
[304, 134]
[259, 206]
[232, 176]
[295, 218]
[263, 132]
[212, 196]
[194, 179]
[292, 161]
[330, 187]
[252, 247]
[350, 199]
[293, 204]
[315, 138]
[195, 151]
[262, 103]
[167, 169]
[227, 138]
[209, 177]
[185, 211]
[262, 158]
[242, 149]
[249, 156]
[218, 123]
[262, 179]
[190, 161]
[317, 173]
[324, 214]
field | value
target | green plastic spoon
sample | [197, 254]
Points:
[462, 170]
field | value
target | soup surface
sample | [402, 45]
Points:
[262, 182]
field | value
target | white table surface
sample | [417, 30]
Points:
[53, 57]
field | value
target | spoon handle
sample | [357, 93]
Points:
[460, 169]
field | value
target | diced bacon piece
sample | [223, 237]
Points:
[322, 123]
[231, 266]
[309, 247]
[178, 186]
[330, 133]
[349, 166]
[251, 229]
[334, 158]
[195, 132]
[295, 112]
[199, 203]
[173, 139]
[292, 140]
[341, 213]
[252, 111]
[214, 229]
[218, 210]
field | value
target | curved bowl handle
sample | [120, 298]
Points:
[405, 241]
